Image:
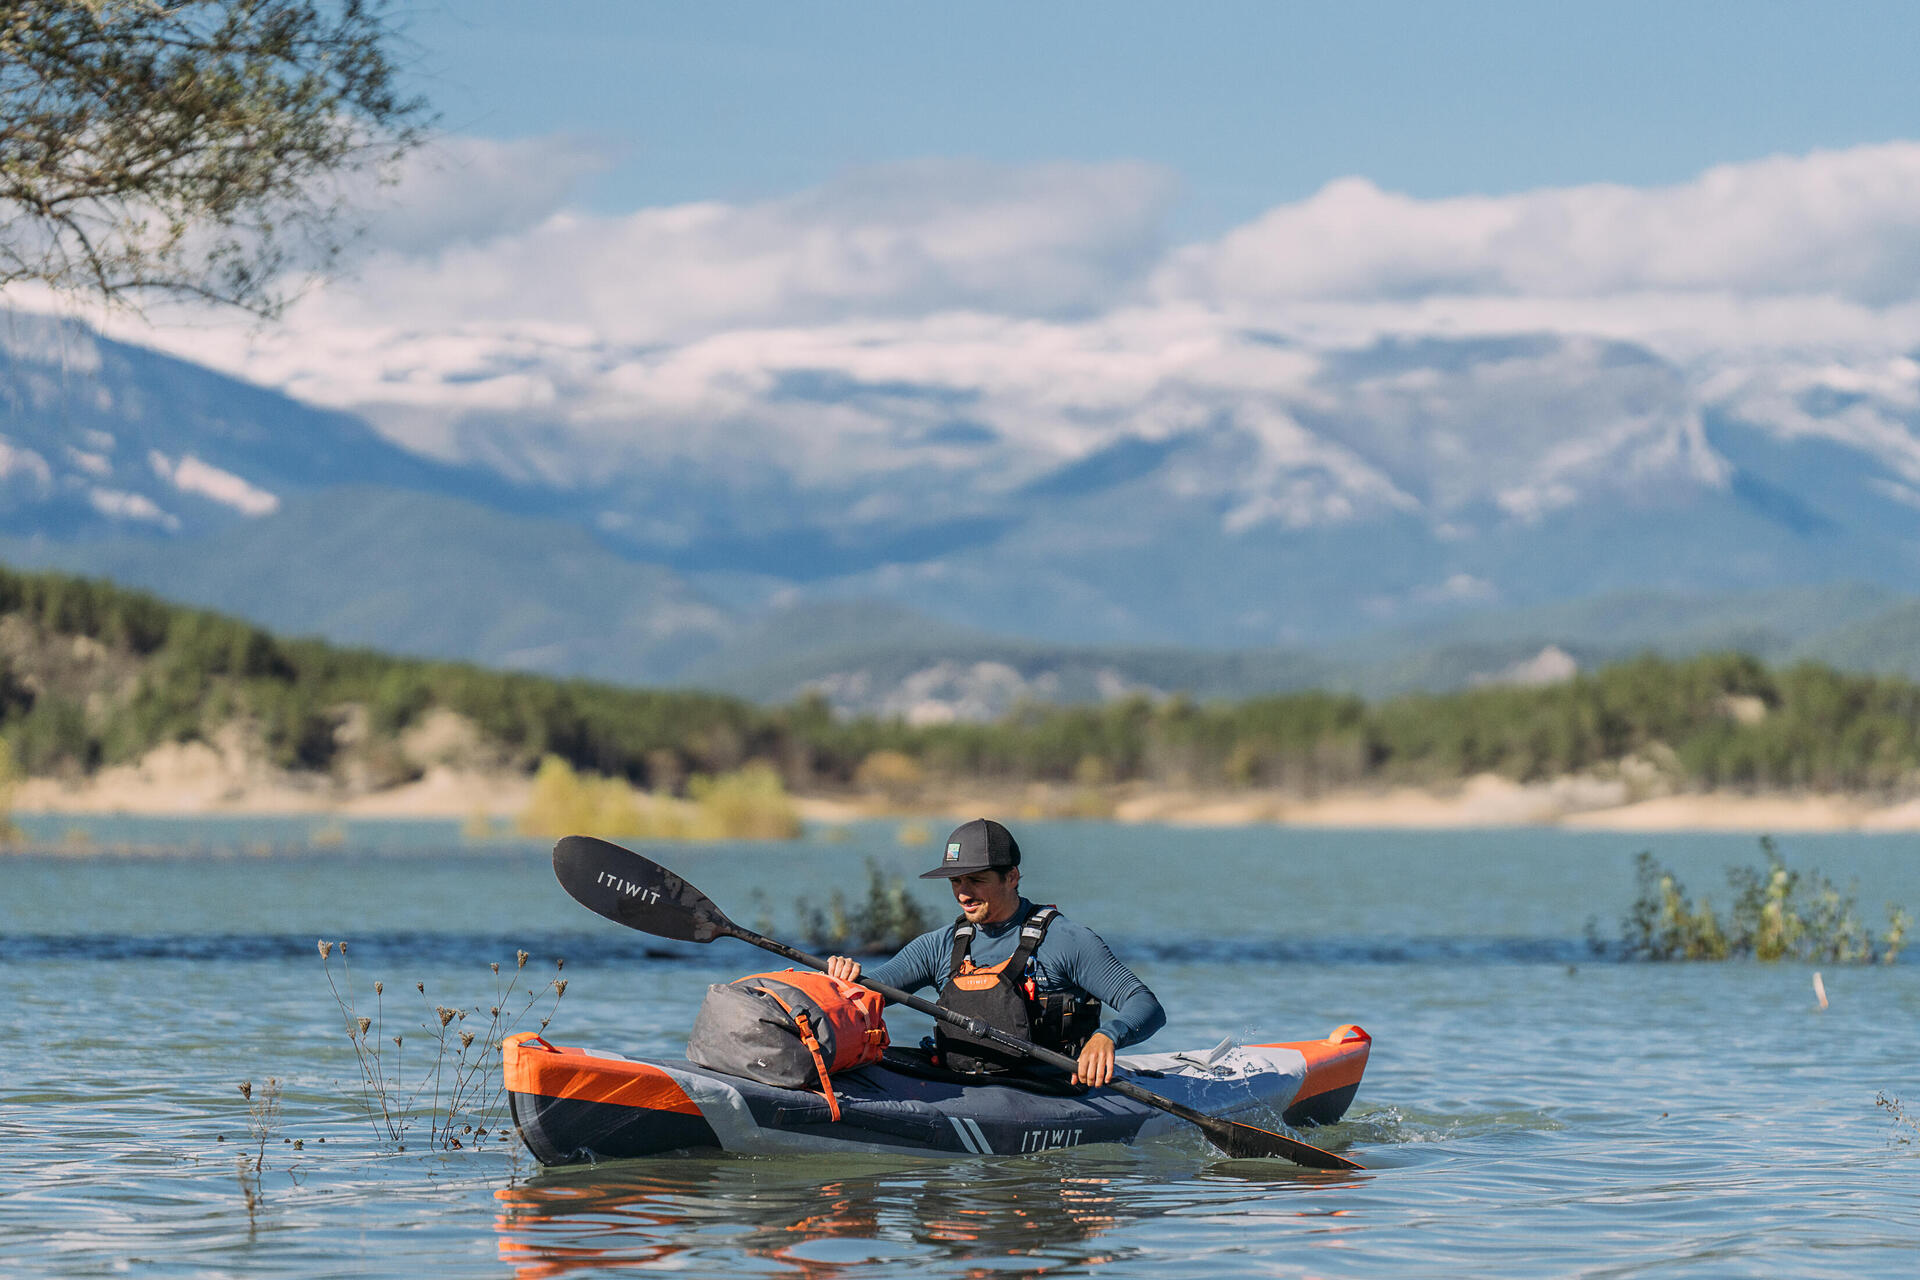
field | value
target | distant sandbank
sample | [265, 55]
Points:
[190, 779]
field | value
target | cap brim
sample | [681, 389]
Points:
[946, 873]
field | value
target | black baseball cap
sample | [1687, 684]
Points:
[980, 845]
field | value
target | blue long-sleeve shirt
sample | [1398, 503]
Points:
[1070, 958]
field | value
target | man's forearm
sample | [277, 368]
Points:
[1135, 1018]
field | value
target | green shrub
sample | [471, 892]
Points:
[748, 804]
[565, 802]
[1777, 914]
[53, 737]
[887, 920]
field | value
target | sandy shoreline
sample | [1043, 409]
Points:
[195, 780]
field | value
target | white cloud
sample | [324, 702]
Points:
[1832, 223]
[899, 240]
[27, 463]
[94, 464]
[122, 505]
[486, 294]
[1457, 588]
[465, 190]
[190, 475]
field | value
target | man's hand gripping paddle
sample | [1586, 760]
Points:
[639, 893]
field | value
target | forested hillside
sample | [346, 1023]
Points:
[92, 674]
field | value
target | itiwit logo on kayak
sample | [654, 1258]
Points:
[974, 1138]
[1049, 1139]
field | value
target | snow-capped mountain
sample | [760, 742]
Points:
[1323, 490]
[101, 438]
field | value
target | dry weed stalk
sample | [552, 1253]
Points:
[263, 1117]
[1905, 1128]
[376, 1092]
[461, 1084]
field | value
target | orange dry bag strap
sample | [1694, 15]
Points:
[808, 1039]
[853, 1013]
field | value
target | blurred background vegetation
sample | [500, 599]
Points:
[92, 675]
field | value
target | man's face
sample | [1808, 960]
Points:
[988, 897]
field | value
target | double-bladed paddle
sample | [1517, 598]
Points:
[641, 894]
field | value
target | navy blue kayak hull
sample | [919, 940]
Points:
[574, 1105]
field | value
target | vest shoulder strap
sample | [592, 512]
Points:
[1033, 931]
[1036, 924]
[962, 943]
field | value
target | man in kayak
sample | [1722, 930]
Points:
[1024, 970]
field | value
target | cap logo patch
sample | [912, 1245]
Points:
[953, 852]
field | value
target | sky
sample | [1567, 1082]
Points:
[1246, 105]
[642, 227]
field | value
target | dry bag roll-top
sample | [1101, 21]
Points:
[792, 1028]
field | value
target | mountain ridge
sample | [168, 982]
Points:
[1336, 528]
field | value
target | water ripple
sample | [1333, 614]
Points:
[1528, 1113]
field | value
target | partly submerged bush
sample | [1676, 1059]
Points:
[564, 802]
[749, 804]
[1777, 914]
[887, 920]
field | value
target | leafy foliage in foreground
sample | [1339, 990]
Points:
[186, 147]
[1777, 914]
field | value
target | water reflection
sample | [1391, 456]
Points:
[830, 1216]
[798, 1217]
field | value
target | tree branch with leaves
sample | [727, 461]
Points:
[192, 148]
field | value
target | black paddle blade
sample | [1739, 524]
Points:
[1244, 1142]
[1241, 1141]
[637, 892]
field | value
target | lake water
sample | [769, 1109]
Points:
[1529, 1110]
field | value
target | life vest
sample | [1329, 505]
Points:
[1005, 997]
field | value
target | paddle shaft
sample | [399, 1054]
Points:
[1225, 1132]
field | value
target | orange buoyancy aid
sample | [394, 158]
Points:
[1006, 998]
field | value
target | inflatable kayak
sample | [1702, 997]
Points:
[573, 1105]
